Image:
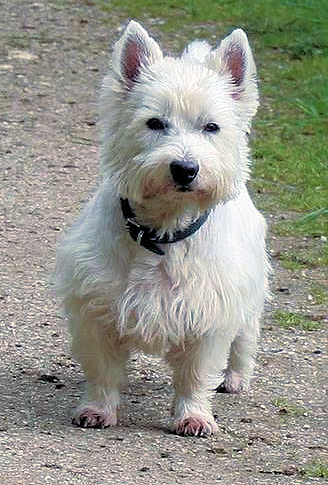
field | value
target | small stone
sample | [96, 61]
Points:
[164, 454]
[218, 451]
[246, 420]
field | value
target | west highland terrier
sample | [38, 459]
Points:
[169, 255]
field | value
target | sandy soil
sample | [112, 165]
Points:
[52, 59]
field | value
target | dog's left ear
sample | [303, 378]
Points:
[134, 51]
[234, 57]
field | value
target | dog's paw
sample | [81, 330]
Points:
[93, 416]
[232, 383]
[195, 426]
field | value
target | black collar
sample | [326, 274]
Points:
[147, 237]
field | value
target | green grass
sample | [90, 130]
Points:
[316, 468]
[312, 256]
[286, 407]
[288, 320]
[312, 223]
[290, 42]
[319, 293]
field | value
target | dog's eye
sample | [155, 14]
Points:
[211, 127]
[155, 124]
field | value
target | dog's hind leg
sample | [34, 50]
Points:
[195, 367]
[104, 365]
[241, 364]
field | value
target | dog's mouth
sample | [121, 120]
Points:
[184, 188]
[153, 191]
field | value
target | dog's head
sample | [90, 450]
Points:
[174, 130]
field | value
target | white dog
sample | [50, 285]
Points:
[169, 255]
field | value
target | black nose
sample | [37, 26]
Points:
[183, 171]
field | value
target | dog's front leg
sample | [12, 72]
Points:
[196, 367]
[104, 365]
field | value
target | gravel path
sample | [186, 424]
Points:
[52, 59]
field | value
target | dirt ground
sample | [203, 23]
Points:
[52, 58]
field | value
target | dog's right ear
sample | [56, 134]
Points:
[134, 51]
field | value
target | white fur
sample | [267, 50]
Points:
[201, 302]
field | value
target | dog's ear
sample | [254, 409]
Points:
[133, 51]
[234, 57]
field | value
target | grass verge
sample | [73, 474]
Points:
[290, 41]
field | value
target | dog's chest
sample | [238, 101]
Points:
[166, 301]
